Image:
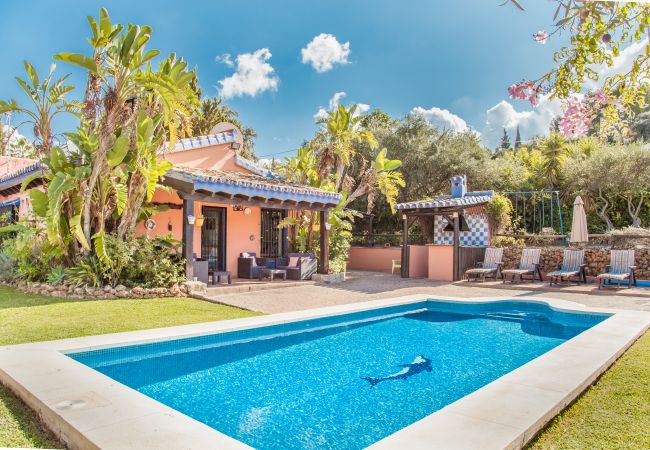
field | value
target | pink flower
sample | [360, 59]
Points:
[541, 37]
[600, 96]
[522, 90]
[577, 118]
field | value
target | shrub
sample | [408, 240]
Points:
[506, 241]
[87, 273]
[56, 276]
[156, 263]
[7, 267]
[120, 255]
[499, 213]
[33, 256]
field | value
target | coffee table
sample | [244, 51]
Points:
[217, 275]
[272, 273]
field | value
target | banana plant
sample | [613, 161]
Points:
[381, 176]
[121, 85]
[60, 204]
[48, 101]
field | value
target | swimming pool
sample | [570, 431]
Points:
[342, 381]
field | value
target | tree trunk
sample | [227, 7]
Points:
[634, 210]
[602, 212]
[136, 195]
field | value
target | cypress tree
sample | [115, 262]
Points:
[517, 138]
[505, 141]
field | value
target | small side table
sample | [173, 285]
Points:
[217, 275]
[271, 273]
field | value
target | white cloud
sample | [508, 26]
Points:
[620, 64]
[531, 123]
[362, 108]
[253, 75]
[324, 51]
[333, 103]
[442, 119]
[226, 59]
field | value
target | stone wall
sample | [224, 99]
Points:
[106, 292]
[596, 258]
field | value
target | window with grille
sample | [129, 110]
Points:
[272, 242]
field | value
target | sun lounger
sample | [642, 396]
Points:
[572, 266]
[621, 267]
[490, 267]
[528, 265]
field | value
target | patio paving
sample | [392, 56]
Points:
[365, 286]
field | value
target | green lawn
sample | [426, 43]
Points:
[612, 414]
[29, 318]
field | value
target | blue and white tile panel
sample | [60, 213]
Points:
[477, 236]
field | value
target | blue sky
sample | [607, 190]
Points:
[455, 55]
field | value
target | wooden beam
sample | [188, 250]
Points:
[188, 238]
[324, 262]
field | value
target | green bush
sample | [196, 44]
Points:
[7, 267]
[156, 263]
[499, 213]
[57, 275]
[506, 241]
[120, 253]
[33, 256]
[87, 272]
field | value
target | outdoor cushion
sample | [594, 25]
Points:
[480, 270]
[562, 273]
[516, 271]
[294, 261]
[614, 276]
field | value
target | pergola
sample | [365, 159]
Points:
[453, 209]
[247, 189]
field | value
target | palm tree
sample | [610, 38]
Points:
[554, 150]
[341, 128]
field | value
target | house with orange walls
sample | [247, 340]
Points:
[219, 205]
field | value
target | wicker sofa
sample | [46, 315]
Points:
[299, 266]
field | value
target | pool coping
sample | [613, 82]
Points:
[89, 410]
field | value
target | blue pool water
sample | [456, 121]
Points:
[339, 382]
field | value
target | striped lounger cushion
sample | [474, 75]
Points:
[491, 261]
[571, 263]
[529, 259]
[621, 261]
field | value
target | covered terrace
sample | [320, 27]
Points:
[247, 192]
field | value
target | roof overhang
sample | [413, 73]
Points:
[247, 189]
[11, 183]
[444, 205]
